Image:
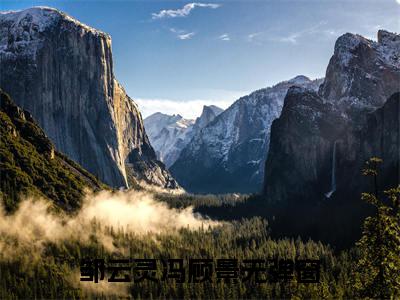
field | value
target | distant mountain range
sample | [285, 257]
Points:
[229, 154]
[62, 72]
[170, 134]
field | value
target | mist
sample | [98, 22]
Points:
[35, 223]
[25, 234]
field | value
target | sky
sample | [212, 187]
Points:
[176, 56]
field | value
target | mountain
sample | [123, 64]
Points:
[301, 143]
[170, 134]
[362, 74]
[209, 113]
[62, 72]
[30, 164]
[229, 154]
[338, 129]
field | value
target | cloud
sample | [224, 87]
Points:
[331, 32]
[224, 37]
[188, 109]
[186, 36]
[293, 38]
[174, 30]
[182, 12]
[252, 36]
[398, 1]
[182, 34]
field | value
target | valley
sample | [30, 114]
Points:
[304, 170]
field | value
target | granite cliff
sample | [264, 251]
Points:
[354, 116]
[62, 72]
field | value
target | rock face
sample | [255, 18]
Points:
[170, 134]
[62, 72]
[362, 74]
[209, 113]
[229, 154]
[350, 111]
[300, 146]
[381, 137]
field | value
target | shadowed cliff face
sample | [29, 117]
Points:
[62, 71]
[380, 137]
[301, 141]
[360, 78]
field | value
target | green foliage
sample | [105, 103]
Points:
[198, 201]
[48, 277]
[371, 166]
[377, 273]
[29, 165]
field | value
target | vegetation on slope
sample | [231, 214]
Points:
[29, 164]
[48, 276]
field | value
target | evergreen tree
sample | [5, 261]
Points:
[378, 267]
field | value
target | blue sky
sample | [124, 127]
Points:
[175, 56]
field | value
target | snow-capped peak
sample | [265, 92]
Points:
[386, 37]
[387, 47]
[356, 68]
[208, 114]
[169, 134]
[215, 109]
[158, 120]
[300, 79]
[41, 17]
[22, 31]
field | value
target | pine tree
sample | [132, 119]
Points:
[378, 268]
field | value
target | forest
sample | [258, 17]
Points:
[370, 268]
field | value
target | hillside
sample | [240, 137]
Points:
[29, 163]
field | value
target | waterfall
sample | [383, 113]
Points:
[333, 176]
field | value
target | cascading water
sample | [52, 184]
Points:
[333, 176]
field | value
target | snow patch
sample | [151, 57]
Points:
[21, 32]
